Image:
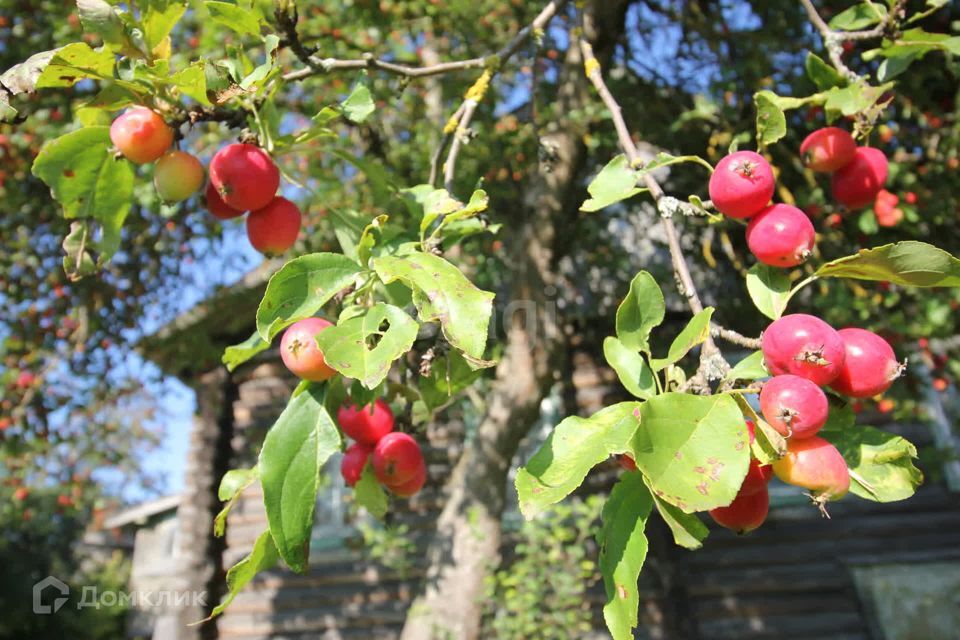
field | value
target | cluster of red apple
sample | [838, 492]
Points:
[396, 458]
[781, 235]
[804, 353]
[242, 178]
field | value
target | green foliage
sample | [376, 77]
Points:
[300, 288]
[551, 554]
[575, 446]
[617, 181]
[632, 370]
[623, 550]
[293, 453]
[442, 293]
[369, 494]
[640, 312]
[693, 450]
[263, 556]
[769, 288]
[909, 263]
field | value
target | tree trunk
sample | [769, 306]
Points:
[467, 540]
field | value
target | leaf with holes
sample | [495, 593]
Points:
[300, 288]
[623, 550]
[881, 463]
[441, 292]
[363, 347]
[574, 447]
[293, 454]
[693, 450]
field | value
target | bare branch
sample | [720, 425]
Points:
[712, 364]
[733, 337]
[318, 66]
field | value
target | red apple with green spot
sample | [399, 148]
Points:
[300, 352]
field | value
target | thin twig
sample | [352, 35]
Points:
[833, 40]
[317, 66]
[733, 337]
[712, 365]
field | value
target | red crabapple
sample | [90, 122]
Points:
[177, 176]
[397, 459]
[745, 513]
[794, 406]
[828, 149]
[885, 209]
[781, 236]
[300, 352]
[141, 135]
[217, 206]
[757, 478]
[354, 460]
[244, 176]
[742, 184]
[870, 366]
[816, 465]
[857, 184]
[366, 424]
[274, 228]
[805, 346]
[412, 486]
[627, 462]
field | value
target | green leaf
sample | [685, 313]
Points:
[258, 77]
[908, 263]
[769, 288]
[750, 368]
[771, 121]
[441, 292]
[617, 181]
[823, 75]
[359, 104]
[263, 557]
[241, 20]
[693, 450]
[860, 16]
[88, 181]
[300, 288]
[363, 348]
[231, 486]
[369, 494]
[192, 81]
[22, 78]
[99, 17]
[235, 355]
[640, 312]
[73, 63]
[688, 530]
[235, 481]
[293, 454]
[852, 100]
[623, 549]
[881, 463]
[574, 447]
[631, 368]
[696, 331]
[438, 203]
[159, 18]
[449, 374]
